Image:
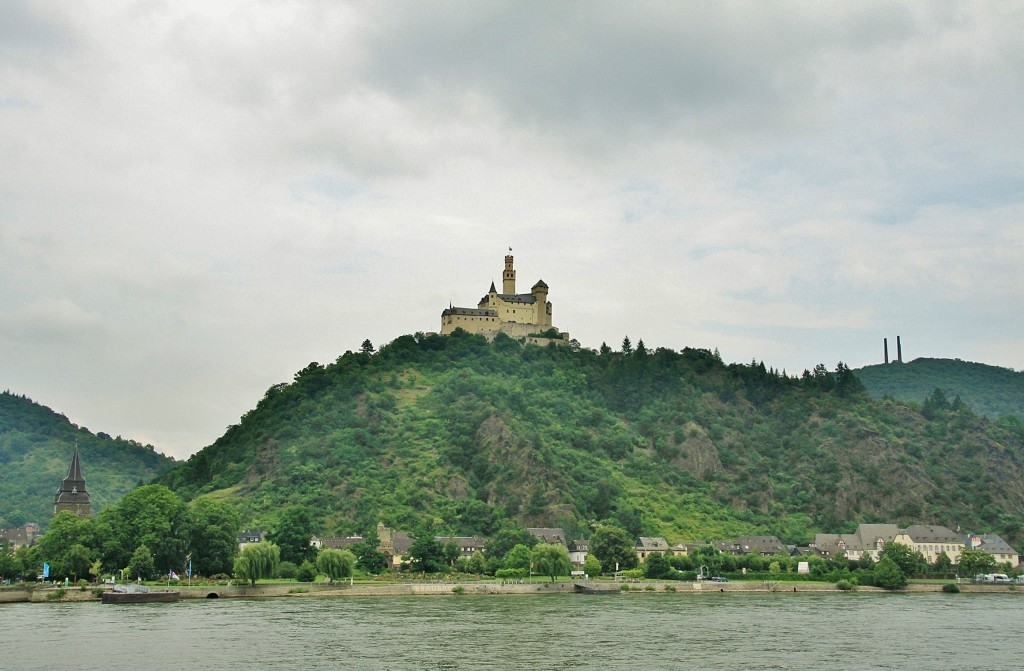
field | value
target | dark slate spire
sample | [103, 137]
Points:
[493, 290]
[72, 494]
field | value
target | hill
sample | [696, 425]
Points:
[452, 434]
[987, 390]
[35, 449]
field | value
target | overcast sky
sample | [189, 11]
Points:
[198, 199]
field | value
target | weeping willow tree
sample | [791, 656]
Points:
[258, 560]
[336, 564]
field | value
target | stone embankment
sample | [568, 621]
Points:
[268, 590]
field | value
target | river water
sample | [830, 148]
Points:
[630, 631]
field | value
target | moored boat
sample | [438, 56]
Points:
[139, 594]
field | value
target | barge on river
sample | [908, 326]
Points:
[139, 594]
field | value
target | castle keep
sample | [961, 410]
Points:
[515, 315]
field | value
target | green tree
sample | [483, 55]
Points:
[551, 560]
[306, 572]
[257, 561]
[451, 552]
[613, 547]
[971, 563]
[592, 566]
[212, 536]
[506, 539]
[153, 516]
[427, 555]
[369, 558]
[518, 557]
[336, 564]
[709, 556]
[477, 563]
[141, 565]
[627, 346]
[943, 564]
[366, 347]
[910, 561]
[8, 564]
[656, 567]
[76, 562]
[292, 535]
[66, 531]
[888, 574]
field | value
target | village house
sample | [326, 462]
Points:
[868, 540]
[468, 545]
[932, 541]
[550, 535]
[22, 536]
[648, 545]
[248, 538]
[578, 551]
[335, 543]
[394, 544]
[995, 546]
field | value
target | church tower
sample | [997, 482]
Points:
[72, 494]
[508, 278]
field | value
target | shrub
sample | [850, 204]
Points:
[306, 572]
[56, 595]
[649, 588]
[951, 588]
[458, 589]
[624, 588]
[844, 585]
[286, 570]
[670, 588]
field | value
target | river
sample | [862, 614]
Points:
[634, 631]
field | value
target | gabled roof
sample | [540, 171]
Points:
[550, 535]
[250, 537]
[921, 533]
[990, 543]
[769, 544]
[648, 543]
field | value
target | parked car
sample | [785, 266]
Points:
[718, 578]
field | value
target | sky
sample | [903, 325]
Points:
[198, 199]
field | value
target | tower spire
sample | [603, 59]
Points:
[72, 494]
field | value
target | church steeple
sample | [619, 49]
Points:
[72, 494]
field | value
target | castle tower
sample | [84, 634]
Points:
[508, 278]
[540, 295]
[72, 494]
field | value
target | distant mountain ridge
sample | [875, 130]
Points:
[36, 444]
[987, 390]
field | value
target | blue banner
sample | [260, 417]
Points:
[46, 569]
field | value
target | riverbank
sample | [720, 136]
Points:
[35, 594]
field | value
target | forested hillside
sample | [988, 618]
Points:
[452, 434]
[987, 390]
[35, 449]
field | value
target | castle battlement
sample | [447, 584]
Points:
[516, 315]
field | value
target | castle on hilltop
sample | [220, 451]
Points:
[520, 316]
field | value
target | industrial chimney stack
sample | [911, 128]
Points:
[885, 344]
[899, 350]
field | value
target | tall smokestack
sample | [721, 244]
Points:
[899, 350]
[885, 344]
